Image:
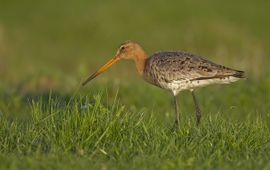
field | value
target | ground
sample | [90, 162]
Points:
[118, 121]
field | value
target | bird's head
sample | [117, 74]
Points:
[127, 50]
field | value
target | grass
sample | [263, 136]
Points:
[119, 122]
[83, 131]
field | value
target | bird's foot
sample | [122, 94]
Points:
[175, 126]
[198, 120]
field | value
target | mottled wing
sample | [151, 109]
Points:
[168, 66]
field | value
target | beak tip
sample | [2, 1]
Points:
[101, 69]
[84, 83]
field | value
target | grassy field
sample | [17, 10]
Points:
[48, 121]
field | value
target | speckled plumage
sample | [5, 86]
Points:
[177, 70]
[173, 70]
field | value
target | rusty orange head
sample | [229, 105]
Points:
[127, 50]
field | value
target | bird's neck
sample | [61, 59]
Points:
[140, 58]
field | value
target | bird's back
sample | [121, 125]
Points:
[177, 70]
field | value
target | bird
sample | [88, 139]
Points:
[174, 71]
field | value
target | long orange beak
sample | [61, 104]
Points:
[102, 69]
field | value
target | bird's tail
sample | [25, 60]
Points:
[239, 74]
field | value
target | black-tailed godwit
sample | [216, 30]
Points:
[174, 71]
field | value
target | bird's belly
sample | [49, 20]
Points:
[179, 85]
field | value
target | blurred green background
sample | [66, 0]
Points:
[54, 45]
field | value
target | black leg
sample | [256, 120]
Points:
[176, 123]
[198, 111]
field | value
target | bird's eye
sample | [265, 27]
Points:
[122, 48]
